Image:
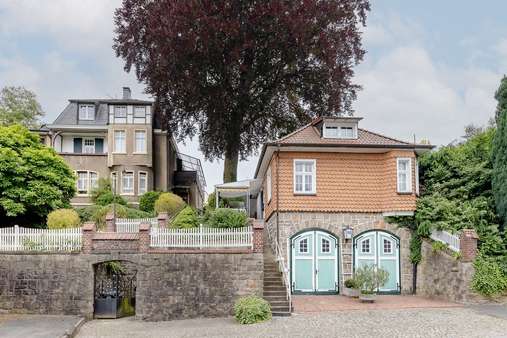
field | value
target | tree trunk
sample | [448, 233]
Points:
[231, 166]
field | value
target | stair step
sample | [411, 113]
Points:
[280, 308]
[270, 299]
[280, 313]
[274, 288]
[275, 303]
[267, 293]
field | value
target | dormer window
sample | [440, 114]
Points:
[87, 112]
[337, 130]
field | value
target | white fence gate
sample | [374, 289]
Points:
[132, 224]
[445, 237]
[26, 239]
[202, 237]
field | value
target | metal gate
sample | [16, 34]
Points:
[114, 294]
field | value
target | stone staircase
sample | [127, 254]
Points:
[274, 289]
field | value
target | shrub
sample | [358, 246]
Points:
[108, 198]
[170, 203]
[86, 213]
[99, 216]
[186, 218]
[252, 309]
[147, 201]
[370, 278]
[227, 218]
[63, 218]
[488, 279]
[351, 283]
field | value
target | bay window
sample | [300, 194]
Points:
[127, 183]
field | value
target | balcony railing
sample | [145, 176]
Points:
[189, 163]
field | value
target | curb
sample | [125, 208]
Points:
[75, 329]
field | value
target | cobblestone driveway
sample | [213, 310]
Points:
[443, 322]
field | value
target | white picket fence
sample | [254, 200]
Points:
[202, 237]
[26, 239]
[132, 224]
[445, 237]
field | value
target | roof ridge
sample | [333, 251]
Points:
[381, 135]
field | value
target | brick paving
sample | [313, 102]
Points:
[328, 303]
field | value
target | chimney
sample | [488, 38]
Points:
[126, 93]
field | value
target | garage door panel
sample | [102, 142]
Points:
[303, 274]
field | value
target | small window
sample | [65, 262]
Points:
[332, 132]
[346, 132]
[303, 245]
[82, 182]
[268, 184]
[404, 175]
[119, 141]
[140, 112]
[304, 177]
[86, 112]
[387, 246]
[365, 246]
[120, 112]
[143, 182]
[89, 145]
[127, 183]
[325, 245]
[140, 141]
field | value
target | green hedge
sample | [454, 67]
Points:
[170, 203]
[488, 279]
[63, 218]
[186, 218]
[147, 201]
[227, 218]
[251, 310]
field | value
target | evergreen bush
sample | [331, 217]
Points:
[227, 218]
[63, 218]
[147, 201]
[251, 310]
[186, 218]
[170, 203]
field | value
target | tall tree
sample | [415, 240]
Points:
[33, 179]
[238, 73]
[499, 154]
[19, 106]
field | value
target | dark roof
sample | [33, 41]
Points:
[113, 101]
[69, 116]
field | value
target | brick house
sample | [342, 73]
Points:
[123, 140]
[325, 190]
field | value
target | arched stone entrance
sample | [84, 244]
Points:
[115, 285]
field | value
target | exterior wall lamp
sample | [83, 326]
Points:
[348, 231]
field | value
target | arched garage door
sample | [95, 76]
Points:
[381, 249]
[314, 262]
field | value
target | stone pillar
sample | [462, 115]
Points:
[258, 241]
[110, 222]
[144, 237]
[88, 232]
[162, 220]
[468, 245]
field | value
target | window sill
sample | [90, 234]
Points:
[404, 192]
[143, 153]
[82, 154]
[119, 153]
[305, 194]
[127, 194]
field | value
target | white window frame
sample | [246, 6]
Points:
[408, 173]
[115, 144]
[90, 147]
[268, 184]
[306, 242]
[337, 127]
[366, 240]
[314, 177]
[145, 150]
[416, 176]
[138, 119]
[123, 175]
[89, 186]
[89, 114]
[139, 174]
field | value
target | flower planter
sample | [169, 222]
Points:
[367, 298]
[350, 292]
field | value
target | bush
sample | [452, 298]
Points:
[108, 198]
[147, 201]
[170, 203]
[227, 218]
[186, 218]
[99, 216]
[351, 283]
[369, 278]
[488, 279]
[86, 213]
[63, 218]
[251, 310]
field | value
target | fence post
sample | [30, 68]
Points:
[16, 238]
[144, 237]
[257, 238]
[468, 244]
[200, 236]
[88, 232]
[110, 222]
[162, 219]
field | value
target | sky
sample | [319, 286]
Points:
[431, 67]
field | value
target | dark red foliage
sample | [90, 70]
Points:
[240, 72]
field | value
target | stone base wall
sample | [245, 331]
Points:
[169, 286]
[291, 223]
[440, 275]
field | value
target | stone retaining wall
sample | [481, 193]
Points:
[440, 275]
[169, 286]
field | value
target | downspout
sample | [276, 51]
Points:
[277, 193]
[414, 278]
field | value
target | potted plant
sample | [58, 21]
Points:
[351, 288]
[370, 278]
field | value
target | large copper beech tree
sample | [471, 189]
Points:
[238, 73]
